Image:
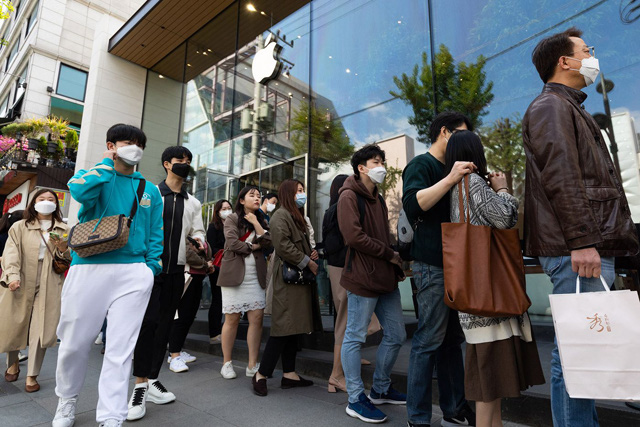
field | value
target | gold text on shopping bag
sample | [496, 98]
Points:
[596, 323]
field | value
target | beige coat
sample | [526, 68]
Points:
[20, 262]
[294, 308]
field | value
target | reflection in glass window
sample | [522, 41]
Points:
[33, 18]
[12, 54]
[72, 82]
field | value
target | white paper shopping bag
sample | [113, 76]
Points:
[598, 335]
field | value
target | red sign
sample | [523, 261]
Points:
[11, 203]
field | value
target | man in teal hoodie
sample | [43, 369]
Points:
[113, 284]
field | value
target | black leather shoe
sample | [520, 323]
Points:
[287, 383]
[259, 386]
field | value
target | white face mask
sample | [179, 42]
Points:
[270, 207]
[130, 154]
[45, 207]
[589, 69]
[377, 174]
[225, 214]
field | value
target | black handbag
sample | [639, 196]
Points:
[292, 275]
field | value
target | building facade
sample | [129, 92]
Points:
[347, 73]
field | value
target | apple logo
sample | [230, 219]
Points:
[266, 62]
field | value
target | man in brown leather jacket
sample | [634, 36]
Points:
[576, 214]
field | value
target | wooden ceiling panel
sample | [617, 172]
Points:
[156, 35]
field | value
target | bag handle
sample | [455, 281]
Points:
[47, 246]
[460, 202]
[134, 208]
[606, 287]
[136, 202]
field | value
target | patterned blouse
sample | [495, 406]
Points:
[497, 210]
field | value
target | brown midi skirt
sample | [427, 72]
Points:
[500, 369]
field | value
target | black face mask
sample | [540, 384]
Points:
[181, 169]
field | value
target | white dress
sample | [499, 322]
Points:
[249, 295]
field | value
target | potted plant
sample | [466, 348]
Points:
[32, 128]
[57, 129]
[42, 151]
[71, 142]
[10, 130]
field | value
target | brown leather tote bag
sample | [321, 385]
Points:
[483, 267]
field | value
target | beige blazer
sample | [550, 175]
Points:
[17, 308]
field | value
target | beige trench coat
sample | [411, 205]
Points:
[20, 262]
[294, 308]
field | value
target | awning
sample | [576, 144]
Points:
[155, 37]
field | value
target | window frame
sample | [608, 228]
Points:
[84, 93]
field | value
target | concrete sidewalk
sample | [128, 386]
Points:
[204, 399]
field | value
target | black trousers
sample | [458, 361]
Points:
[151, 347]
[215, 310]
[187, 310]
[285, 347]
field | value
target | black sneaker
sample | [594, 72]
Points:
[410, 424]
[465, 417]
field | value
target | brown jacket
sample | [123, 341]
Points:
[573, 197]
[235, 251]
[19, 308]
[371, 272]
[294, 308]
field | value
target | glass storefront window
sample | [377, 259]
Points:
[347, 81]
[72, 82]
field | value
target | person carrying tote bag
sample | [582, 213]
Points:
[502, 357]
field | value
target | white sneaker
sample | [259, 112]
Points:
[22, 357]
[65, 413]
[252, 371]
[111, 423]
[158, 394]
[186, 357]
[138, 402]
[178, 365]
[227, 371]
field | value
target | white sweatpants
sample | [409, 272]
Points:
[91, 292]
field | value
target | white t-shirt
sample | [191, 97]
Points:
[45, 225]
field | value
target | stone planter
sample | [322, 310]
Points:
[52, 147]
[33, 144]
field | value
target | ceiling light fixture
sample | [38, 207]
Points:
[251, 8]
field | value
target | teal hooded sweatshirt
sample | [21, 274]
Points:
[102, 191]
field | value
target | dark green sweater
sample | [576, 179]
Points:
[423, 172]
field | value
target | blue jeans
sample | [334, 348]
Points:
[568, 412]
[388, 308]
[436, 342]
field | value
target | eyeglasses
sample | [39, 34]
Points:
[591, 50]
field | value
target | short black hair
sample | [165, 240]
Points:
[175, 152]
[449, 119]
[361, 156]
[465, 146]
[122, 132]
[546, 54]
[270, 196]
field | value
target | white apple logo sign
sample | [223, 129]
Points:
[266, 63]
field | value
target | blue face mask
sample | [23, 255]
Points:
[301, 199]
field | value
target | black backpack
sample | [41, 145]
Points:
[335, 249]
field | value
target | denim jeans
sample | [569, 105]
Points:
[568, 412]
[388, 308]
[436, 342]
